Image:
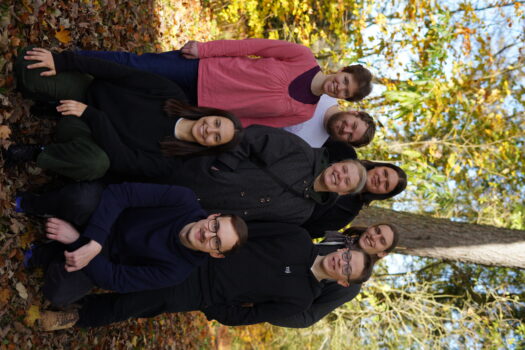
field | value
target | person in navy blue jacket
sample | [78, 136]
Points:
[141, 236]
[277, 273]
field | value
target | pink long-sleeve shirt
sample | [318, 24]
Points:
[254, 89]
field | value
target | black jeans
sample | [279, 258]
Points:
[104, 309]
[73, 203]
[60, 287]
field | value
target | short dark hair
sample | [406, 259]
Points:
[370, 132]
[367, 197]
[369, 262]
[363, 78]
[359, 230]
[241, 229]
[172, 147]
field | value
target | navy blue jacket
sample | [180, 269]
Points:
[138, 225]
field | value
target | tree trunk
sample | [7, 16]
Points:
[441, 238]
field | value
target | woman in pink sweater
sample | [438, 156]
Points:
[279, 87]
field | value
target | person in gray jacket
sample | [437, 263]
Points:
[271, 175]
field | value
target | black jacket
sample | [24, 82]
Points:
[273, 273]
[327, 299]
[243, 180]
[125, 113]
[332, 217]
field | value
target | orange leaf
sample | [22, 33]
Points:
[63, 35]
[5, 296]
[5, 132]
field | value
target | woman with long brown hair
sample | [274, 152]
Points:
[137, 120]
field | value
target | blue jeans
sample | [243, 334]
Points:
[169, 64]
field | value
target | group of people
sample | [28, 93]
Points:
[199, 178]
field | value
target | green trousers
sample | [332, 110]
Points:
[75, 154]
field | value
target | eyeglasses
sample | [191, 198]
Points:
[347, 269]
[214, 226]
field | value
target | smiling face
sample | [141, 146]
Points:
[381, 180]
[335, 266]
[346, 127]
[377, 239]
[342, 178]
[199, 236]
[340, 85]
[213, 131]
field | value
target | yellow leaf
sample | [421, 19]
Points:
[63, 35]
[32, 315]
[5, 132]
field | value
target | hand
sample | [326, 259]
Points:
[62, 231]
[190, 50]
[82, 256]
[71, 107]
[45, 59]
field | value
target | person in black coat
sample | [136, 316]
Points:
[377, 240]
[138, 120]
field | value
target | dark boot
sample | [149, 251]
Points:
[17, 154]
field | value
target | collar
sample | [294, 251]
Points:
[320, 166]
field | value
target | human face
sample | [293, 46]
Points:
[337, 268]
[340, 85]
[377, 239]
[381, 180]
[200, 236]
[213, 130]
[346, 127]
[341, 178]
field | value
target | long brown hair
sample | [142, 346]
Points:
[171, 146]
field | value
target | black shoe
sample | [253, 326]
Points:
[17, 154]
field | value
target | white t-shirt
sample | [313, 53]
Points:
[312, 130]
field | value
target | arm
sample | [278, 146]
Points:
[123, 159]
[332, 296]
[279, 49]
[125, 278]
[231, 315]
[116, 198]
[118, 74]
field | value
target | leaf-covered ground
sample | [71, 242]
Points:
[139, 26]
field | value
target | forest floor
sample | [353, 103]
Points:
[138, 26]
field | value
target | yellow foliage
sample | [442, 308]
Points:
[32, 314]
[63, 35]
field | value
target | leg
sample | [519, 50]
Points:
[74, 202]
[75, 155]
[66, 85]
[171, 65]
[63, 288]
[104, 309]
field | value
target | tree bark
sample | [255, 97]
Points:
[441, 238]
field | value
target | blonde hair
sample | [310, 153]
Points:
[361, 170]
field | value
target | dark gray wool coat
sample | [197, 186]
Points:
[242, 181]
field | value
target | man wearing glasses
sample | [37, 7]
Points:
[141, 236]
[277, 274]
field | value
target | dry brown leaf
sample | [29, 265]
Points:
[5, 295]
[22, 291]
[63, 35]
[5, 132]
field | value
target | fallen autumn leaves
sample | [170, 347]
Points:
[135, 26]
